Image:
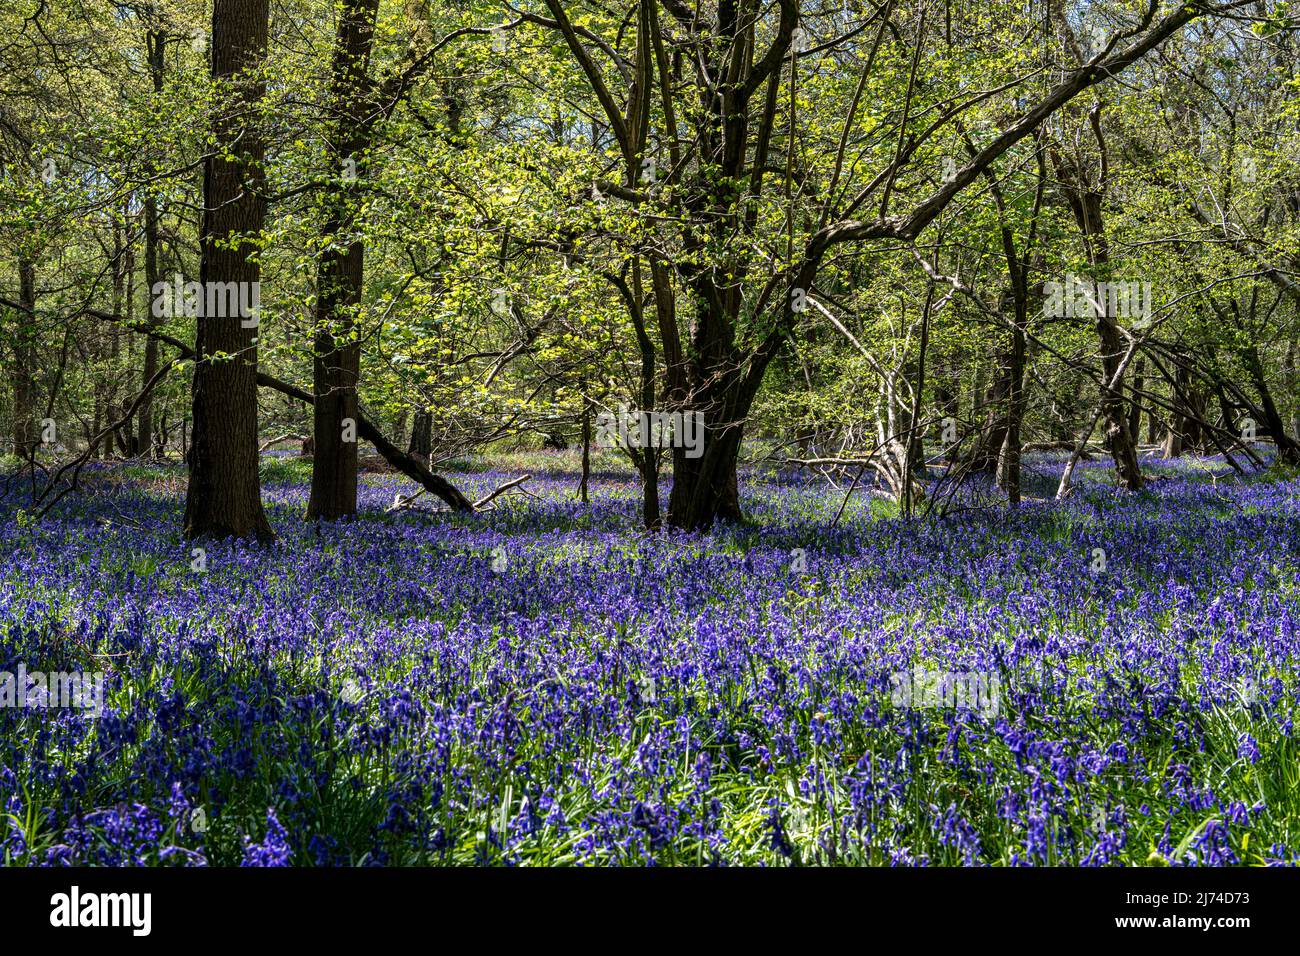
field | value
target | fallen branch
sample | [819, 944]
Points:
[403, 502]
[503, 488]
[1089, 452]
[407, 464]
[832, 462]
[80, 461]
[288, 436]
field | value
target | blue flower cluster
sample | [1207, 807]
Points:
[543, 684]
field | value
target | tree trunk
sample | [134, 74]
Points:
[1289, 382]
[122, 289]
[335, 371]
[984, 452]
[914, 467]
[421, 443]
[706, 488]
[144, 441]
[1009, 457]
[340, 274]
[1182, 431]
[585, 481]
[224, 496]
[1287, 448]
[648, 459]
[22, 375]
[1086, 199]
[1119, 440]
[1135, 410]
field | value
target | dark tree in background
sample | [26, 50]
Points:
[421, 444]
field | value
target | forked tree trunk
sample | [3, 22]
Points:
[1086, 199]
[224, 496]
[1114, 407]
[706, 489]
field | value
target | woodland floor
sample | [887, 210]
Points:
[544, 683]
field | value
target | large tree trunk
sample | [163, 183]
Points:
[706, 488]
[224, 496]
[340, 273]
[335, 372]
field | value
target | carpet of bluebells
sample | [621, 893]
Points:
[545, 684]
